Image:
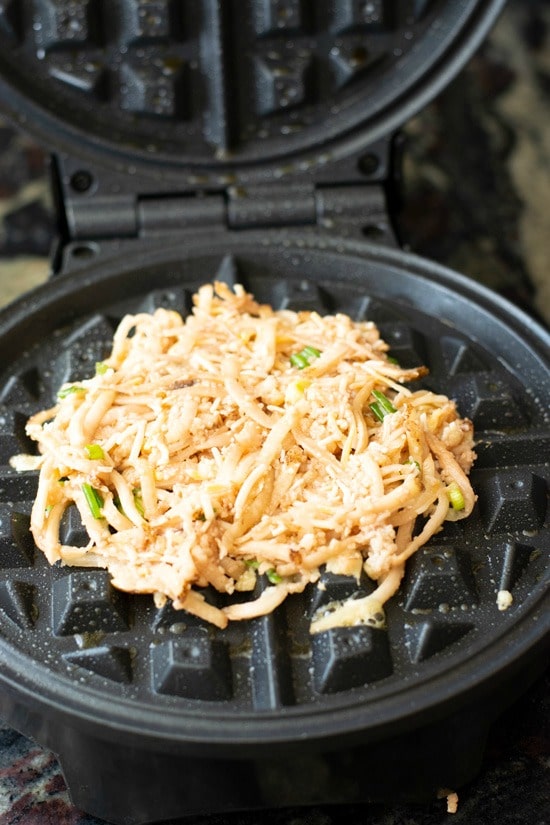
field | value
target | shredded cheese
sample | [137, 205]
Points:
[218, 461]
[504, 599]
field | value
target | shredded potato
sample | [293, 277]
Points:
[243, 448]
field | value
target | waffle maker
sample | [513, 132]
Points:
[252, 142]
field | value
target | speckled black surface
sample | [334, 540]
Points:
[473, 197]
[512, 788]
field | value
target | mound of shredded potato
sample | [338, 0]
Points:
[246, 448]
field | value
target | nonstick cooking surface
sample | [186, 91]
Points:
[68, 631]
[213, 85]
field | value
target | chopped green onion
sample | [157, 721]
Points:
[273, 576]
[415, 462]
[301, 359]
[377, 410]
[63, 393]
[94, 451]
[253, 564]
[93, 498]
[384, 402]
[382, 406]
[455, 496]
[311, 352]
[138, 501]
[101, 367]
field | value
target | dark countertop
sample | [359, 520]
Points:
[476, 179]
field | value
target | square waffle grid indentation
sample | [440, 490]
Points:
[207, 74]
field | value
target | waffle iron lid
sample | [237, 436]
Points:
[254, 89]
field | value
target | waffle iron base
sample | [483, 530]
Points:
[148, 709]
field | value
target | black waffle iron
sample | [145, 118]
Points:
[251, 142]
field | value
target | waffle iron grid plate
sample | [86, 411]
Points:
[205, 93]
[97, 656]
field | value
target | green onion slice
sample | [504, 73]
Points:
[377, 410]
[299, 360]
[94, 451]
[66, 391]
[302, 359]
[138, 501]
[382, 406]
[273, 576]
[101, 367]
[94, 499]
[253, 564]
[384, 402]
[455, 496]
[311, 352]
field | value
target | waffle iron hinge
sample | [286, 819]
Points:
[102, 224]
[348, 209]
